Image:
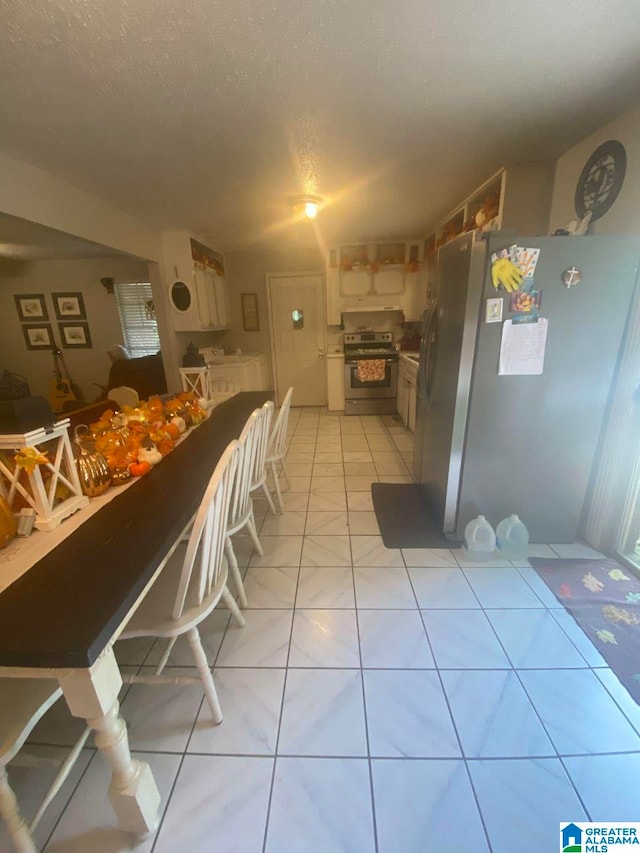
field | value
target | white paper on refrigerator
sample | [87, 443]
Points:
[522, 348]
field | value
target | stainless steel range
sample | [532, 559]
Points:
[370, 373]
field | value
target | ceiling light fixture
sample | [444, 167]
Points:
[307, 205]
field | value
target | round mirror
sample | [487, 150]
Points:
[180, 296]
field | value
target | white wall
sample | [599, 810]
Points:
[246, 273]
[36, 195]
[624, 216]
[614, 463]
[86, 366]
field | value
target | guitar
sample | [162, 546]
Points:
[63, 393]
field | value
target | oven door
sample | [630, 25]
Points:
[356, 388]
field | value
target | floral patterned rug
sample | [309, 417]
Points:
[604, 599]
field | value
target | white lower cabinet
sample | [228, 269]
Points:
[249, 371]
[335, 382]
[407, 389]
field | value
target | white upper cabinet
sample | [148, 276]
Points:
[222, 301]
[517, 198]
[373, 268]
[389, 281]
[372, 275]
[355, 282]
[392, 261]
[195, 279]
[215, 289]
[206, 297]
[354, 265]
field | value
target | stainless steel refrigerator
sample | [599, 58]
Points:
[526, 444]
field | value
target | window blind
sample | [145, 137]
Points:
[137, 318]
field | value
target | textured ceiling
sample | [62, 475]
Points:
[28, 241]
[210, 115]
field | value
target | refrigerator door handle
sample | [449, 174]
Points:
[431, 349]
[426, 353]
[422, 353]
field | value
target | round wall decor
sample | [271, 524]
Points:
[601, 179]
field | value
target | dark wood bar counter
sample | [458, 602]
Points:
[64, 611]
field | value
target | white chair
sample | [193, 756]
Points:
[277, 449]
[259, 455]
[191, 584]
[23, 702]
[223, 383]
[252, 439]
[124, 396]
[196, 379]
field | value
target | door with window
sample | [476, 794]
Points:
[297, 333]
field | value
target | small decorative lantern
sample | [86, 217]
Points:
[43, 493]
[192, 357]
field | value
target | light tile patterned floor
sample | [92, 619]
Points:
[377, 699]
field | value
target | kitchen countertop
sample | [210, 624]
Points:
[243, 358]
[405, 355]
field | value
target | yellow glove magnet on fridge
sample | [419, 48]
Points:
[504, 272]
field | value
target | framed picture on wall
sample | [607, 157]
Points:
[250, 319]
[38, 336]
[75, 335]
[31, 307]
[69, 306]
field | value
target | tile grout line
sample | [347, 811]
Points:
[559, 757]
[186, 747]
[468, 760]
[547, 610]
[509, 668]
[93, 749]
[423, 758]
[364, 711]
[71, 796]
[453, 722]
[480, 606]
[539, 717]
[184, 754]
[282, 700]
[591, 667]
[588, 666]
[634, 726]
[175, 781]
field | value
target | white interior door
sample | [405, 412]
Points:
[298, 330]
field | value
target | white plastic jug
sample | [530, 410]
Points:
[512, 539]
[479, 539]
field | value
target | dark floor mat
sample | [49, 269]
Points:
[404, 518]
